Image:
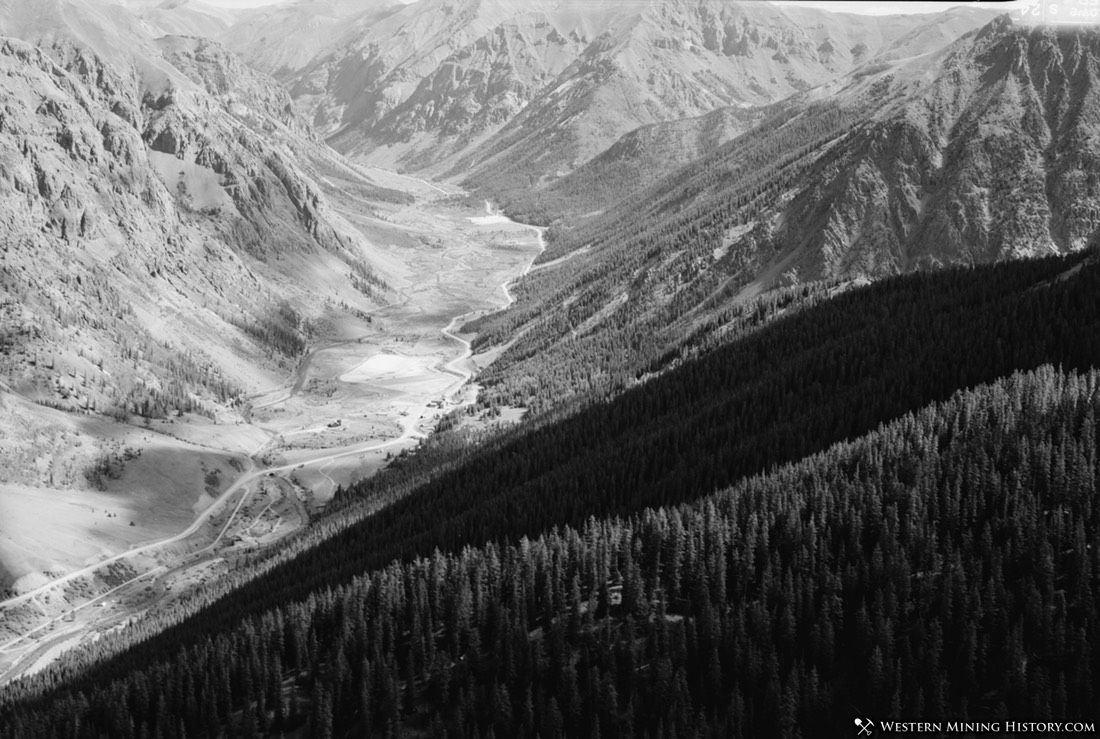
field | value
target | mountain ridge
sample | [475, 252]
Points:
[916, 163]
[443, 86]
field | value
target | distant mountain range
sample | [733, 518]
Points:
[569, 108]
[488, 88]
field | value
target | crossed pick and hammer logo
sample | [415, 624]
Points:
[865, 725]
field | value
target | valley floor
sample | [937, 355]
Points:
[195, 496]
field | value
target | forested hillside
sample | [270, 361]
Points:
[830, 372]
[630, 289]
[638, 160]
[938, 567]
[980, 151]
[825, 374]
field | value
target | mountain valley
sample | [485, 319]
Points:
[175, 236]
[544, 367]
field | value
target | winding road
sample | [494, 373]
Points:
[455, 365]
[458, 366]
[408, 433]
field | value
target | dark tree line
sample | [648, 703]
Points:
[815, 377]
[281, 329]
[790, 389]
[943, 566]
[646, 264]
[785, 390]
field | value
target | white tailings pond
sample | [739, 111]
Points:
[383, 367]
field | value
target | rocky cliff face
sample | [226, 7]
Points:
[983, 150]
[986, 152]
[155, 208]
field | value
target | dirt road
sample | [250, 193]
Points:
[61, 628]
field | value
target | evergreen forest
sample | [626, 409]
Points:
[876, 503]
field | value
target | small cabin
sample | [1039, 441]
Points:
[615, 596]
